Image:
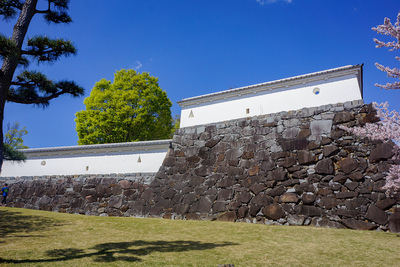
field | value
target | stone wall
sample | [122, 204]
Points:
[289, 168]
[295, 168]
[103, 195]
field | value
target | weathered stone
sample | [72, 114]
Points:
[289, 161]
[189, 198]
[248, 155]
[288, 198]
[267, 165]
[277, 191]
[329, 202]
[305, 157]
[376, 215]
[254, 170]
[381, 152]
[325, 141]
[394, 222]
[313, 145]
[325, 166]
[356, 176]
[308, 198]
[262, 199]
[193, 159]
[226, 182]
[348, 194]
[340, 178]
[219, 206]
[203, 205]
[358, 225]
[229, 216]
[256, 188]
[225, 194]
[348, 213]
[330, 150]
[242, 212]
[351, 185]
[273, 211]
[304, 133]
[385, 203]
[277, 175]
[309, 210]
[343, 116]
[325, 222]
[320, 127]
[295, 219]
[304, 187]
[294, 144]
[290, 182]
[169, 161]
[244, 197]
[348, 165]
[290, 133]
[356, 202]
[233, 154]
[300, 174]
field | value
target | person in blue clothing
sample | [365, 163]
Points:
[4, 192]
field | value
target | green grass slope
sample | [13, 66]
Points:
[39, 238]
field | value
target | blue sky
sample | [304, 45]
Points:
[197, 47]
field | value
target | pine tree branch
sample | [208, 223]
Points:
[7, 8]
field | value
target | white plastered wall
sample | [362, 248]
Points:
[294, 97]
[143, 160]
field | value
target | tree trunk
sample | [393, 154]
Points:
[10, 63]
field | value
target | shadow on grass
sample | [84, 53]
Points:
[122, 251]
[13, 222]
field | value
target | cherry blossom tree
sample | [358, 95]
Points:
[388, 128]
[394, 31]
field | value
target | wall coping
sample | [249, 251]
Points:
[146, 145]
[273, 85]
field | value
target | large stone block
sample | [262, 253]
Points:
[348, 165]
[309, 210]
[394, 222]
[229, 216]
[381, 152]
[293, 144]
[343, 116]
[273, 212]
[319, 127]
[277, 175]
[325, 222]
[288, 198]
[330, 150]
[262, 199]
[295, 219]
[376, 215]
[358, 225]
[304, 157]
[325, 166]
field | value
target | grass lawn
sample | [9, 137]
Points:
[39, 238]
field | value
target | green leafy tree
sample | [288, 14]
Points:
[13, 141]
[176, 122]
[14, 134]
[32, 87]
[132, 108]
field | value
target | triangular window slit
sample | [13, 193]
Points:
[191, 114]
[139, 160]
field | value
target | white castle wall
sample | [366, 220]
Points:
[311, 90]
[133, 157]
